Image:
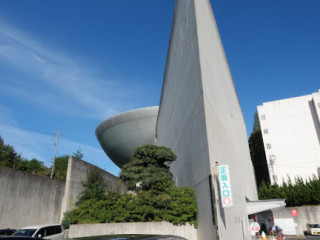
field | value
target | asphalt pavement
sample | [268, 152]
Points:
[305, 237]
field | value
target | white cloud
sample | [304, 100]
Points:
[47, 80]
[30, 144]
[41, 146]
[6, 116]
[48, 74]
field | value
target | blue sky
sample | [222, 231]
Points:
[72, 64]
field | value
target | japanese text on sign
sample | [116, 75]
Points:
[225, 186]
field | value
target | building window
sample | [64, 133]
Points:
[265, 131]
[263, 117]
[268, 145]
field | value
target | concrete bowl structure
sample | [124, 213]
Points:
[121, 134]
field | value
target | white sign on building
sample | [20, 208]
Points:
[225, 186]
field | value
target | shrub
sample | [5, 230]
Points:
[295, 193]
[156, 198]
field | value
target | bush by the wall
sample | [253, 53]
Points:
[156, 197]
[178, 206]
[296, 193]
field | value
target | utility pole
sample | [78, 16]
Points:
[55, 151]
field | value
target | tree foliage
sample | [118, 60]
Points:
[149, 169]
[11, 159]
[296, 193]
[78, 154]
[8, 156]
[156, 197]
[256, 123]
[94, 187]
[33, 166]
[258, 156]
[61, 167]
[178, 206]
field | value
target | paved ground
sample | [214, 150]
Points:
[298, 238]
[306, 238]
[130, 237]
[140, 237]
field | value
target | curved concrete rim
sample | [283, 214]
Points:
[127, 116]
[121, 134]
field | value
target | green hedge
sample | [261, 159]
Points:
[296, 193]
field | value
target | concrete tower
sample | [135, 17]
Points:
[201, 121]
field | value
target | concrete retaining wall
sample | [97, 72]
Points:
[151, 228]
[28, 199]
[306, 215]
[77, 172]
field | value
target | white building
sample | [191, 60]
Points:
[291, 135]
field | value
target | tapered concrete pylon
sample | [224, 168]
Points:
[201, 121]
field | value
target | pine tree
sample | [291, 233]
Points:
[149, 169]
[94, 187]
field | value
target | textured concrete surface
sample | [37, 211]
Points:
[151, 228]
[77, 172]
[226, 132]
[307, 214]
[201, 121]
[121, 134]
[27, 199]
